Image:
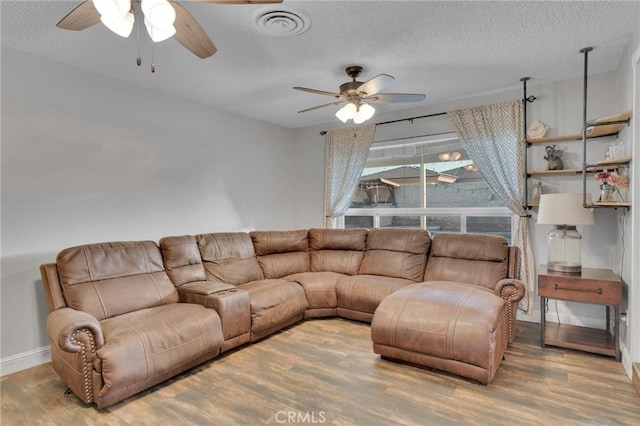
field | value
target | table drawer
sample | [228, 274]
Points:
[580, 290]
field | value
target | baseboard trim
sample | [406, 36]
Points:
[635, 376]
[24, 360]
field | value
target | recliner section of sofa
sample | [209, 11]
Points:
[483, 260]
[393, 259]
[230, 259]
[186, 269]
[113, 319]
[333, 254]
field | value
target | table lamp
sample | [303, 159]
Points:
[564, 242]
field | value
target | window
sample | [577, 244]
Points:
[430, 184]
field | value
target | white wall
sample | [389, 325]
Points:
[88, 159]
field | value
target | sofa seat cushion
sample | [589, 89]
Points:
[319, 287]
[274, 304]
[459, 328]
[363, 293]
[150, 342]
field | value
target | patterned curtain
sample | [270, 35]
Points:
[492, 137]
[345, 155]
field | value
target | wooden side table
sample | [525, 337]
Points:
[599, 286]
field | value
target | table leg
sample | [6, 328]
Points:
[543, 319]
[616, 333]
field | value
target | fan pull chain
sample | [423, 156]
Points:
[139, 58]
[153, 65]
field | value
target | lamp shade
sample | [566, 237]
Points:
[564, 209]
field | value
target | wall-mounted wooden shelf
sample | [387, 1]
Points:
[611, 204]
[592, 132]
[614, 161]
[590, 169]
[554, 172]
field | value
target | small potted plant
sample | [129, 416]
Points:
[611, 184]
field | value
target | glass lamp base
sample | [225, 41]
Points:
[570, 268]
[564, 249]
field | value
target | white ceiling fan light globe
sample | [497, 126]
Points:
[159, 34]
[159, 13]
[341, 115]
[350, 110]
[365, 112]
[112, 10]
[122, 27]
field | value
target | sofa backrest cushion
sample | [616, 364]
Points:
[110, 279]
[337, 250]
[399, 253]
[282, 253]
[229, 257]
[182, 259]
[469, 258]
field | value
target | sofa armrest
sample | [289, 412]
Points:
[68, 328]
[202, 288]
[231, 303]
[510, 289]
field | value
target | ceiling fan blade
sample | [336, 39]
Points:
[190, 34]
[375, 84]
[318, 92]
[239, 1]
[395, 98]
[322, 106]
[82, 16]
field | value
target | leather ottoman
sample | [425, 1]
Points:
[454, 327]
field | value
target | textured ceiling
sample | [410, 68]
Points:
[446, 49]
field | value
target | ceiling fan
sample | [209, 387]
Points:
[357, 96]
[163, 19]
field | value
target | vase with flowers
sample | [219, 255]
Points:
[611, 186]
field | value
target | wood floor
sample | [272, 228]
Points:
[324, 372]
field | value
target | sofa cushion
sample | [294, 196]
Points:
[363, 293]
[281, 253]
[229, 257]
[319, 287]
[399, 253]
[110, 279]
[182, 259]
[147, 343]
[468, 258]
[337, 250]
[274, 304]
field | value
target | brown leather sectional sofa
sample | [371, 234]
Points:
[125, 316]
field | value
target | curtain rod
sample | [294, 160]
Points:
[324, 132]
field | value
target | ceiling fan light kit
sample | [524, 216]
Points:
[357, 113]
[117, 15]
[356, 96]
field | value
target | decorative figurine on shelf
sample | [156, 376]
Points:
[537, 130]
[553, 158]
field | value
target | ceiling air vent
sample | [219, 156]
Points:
[282, 23]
